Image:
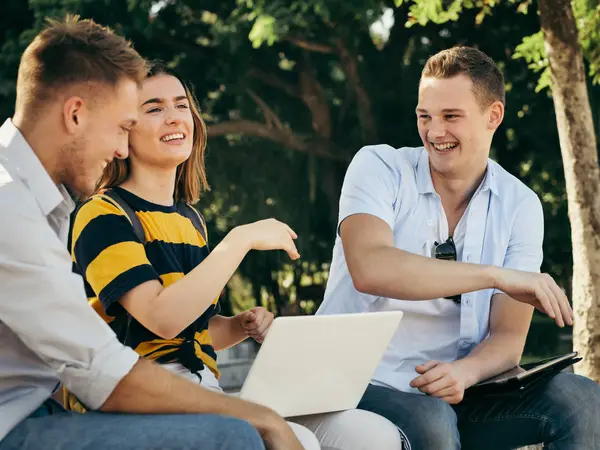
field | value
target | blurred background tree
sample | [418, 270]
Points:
[292, 89]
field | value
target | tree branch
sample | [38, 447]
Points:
[284, 137]
[270, 117]
[273, 80]
[313, 97]
[310, 46]
[365, 111]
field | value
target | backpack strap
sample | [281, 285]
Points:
[195, 217]
[120, 203]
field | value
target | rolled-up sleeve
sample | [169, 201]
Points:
[370, 186]
[44, 304]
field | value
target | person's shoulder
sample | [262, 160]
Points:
[24, 229]
[96, 205]
[16, 200]
[510, 188]
[395, 158]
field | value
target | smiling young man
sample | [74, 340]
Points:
[446, 235]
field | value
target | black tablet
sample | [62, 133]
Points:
[528, 370]
[521, 379]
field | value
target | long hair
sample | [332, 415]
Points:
[190, 178]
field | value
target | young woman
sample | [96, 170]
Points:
[159, 291]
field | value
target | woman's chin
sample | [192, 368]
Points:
[174, 160]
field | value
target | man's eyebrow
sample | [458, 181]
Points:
[153, 100]
[445, 110]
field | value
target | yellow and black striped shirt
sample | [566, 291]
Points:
[112, 261]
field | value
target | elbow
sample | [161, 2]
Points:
[363, 280]
[112, 404]
[514, 358]
[165, 330]
[162, 322]
[162, 325]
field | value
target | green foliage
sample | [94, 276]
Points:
[316, 73]
[587, 15]
[533, 51]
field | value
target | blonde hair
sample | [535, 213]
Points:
[190, 178]
[74, 51]
[488, 81]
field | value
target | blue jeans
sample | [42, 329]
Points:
[563, 413]
[53, 428]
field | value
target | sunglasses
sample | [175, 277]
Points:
[447, 251]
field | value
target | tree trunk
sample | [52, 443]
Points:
[582, 175]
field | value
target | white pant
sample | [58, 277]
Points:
[353, 429]
[209, 381]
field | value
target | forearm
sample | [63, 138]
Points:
[188, 298]
[498, 353]
[150, 389]
[390, 272]
[226, 332]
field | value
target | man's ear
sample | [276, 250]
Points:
[74, 112]
[496, 114]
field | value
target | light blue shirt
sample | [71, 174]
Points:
[502, 226]
[48, 332]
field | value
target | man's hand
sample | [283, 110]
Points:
[256, 322]
[278, 435]
[537, 290]
[442, 380]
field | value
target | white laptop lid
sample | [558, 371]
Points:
[317, 364]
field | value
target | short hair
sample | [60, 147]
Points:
[488, 81]
[73, 51]
[190, 178]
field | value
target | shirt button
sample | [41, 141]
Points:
[463, 344]
[467, 301]
[430, 223]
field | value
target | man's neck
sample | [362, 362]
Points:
[456, 191]
[40, 139]
[155, 185]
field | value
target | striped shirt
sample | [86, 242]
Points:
[112, 261]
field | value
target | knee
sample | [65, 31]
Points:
[427, 422]
[306, 437]
[431, 425]
[435, 427]
[237, 434]
[577, 399]
[364, 430]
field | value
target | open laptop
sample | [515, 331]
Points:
[318, 364]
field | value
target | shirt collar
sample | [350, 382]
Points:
[25, 165]
[425, 183]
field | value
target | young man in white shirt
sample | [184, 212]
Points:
[403, 214]
[77, 99]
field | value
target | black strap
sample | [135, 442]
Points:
[183, 208]
[133, 218]
[196, 218]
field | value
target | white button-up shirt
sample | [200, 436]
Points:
[48, 332]
[502, 226]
